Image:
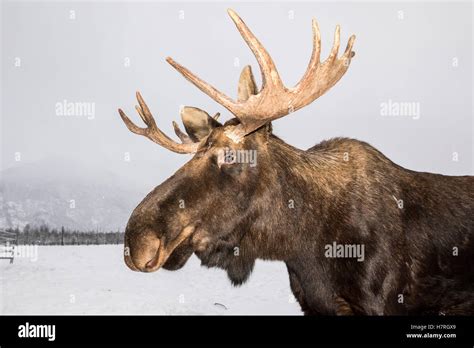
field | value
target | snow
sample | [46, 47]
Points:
[95, 280]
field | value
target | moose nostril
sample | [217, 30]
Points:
[153, 262]
[153, 256]
[150, 264]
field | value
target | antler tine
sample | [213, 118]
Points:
[130, 125]
[152, 132]
[267, 66]
[145, 113]
[314, 62]
[348, 52]
[212, 92]
[335, 46]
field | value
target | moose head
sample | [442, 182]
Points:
[229, 203]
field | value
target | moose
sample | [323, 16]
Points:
[312, 209]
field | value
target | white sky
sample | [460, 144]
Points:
[82, 60]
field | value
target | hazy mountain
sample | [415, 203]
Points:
[60, 192]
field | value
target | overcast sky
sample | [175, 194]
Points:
[101, 53]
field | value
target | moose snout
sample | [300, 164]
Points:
[142, 252]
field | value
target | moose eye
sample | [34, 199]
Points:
[227, 163]
[231, 168]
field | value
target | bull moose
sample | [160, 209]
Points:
[358, 233]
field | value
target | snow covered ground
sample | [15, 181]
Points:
[94, 280]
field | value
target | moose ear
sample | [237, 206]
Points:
[247, 86]
[197, 122]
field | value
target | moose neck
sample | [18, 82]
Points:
[298, 184]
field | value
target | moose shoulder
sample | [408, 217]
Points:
[358, 233]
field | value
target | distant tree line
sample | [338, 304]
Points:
[44, 235]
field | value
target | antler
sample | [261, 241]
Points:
[275, 100]
[153, 133]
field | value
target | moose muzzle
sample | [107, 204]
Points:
[147, 252]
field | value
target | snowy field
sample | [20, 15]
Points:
[94, 280]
